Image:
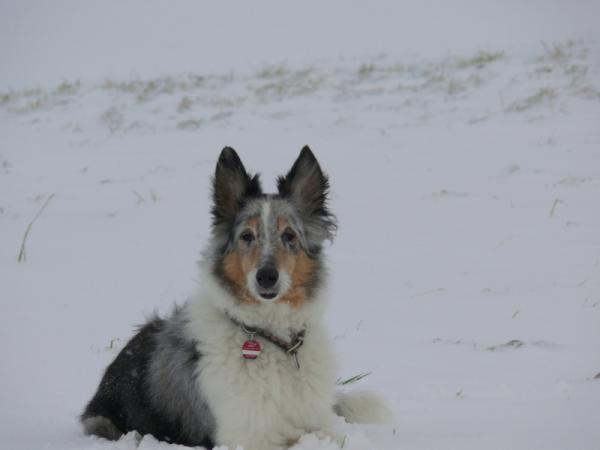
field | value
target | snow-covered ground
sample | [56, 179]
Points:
[463, 146]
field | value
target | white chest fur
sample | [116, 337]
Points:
[266, 403]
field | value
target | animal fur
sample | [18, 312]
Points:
[183, 378]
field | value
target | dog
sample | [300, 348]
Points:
[247, 361]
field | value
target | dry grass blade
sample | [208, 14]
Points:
[557, 201]
[353, 379]
[22, 254]
[514, 343]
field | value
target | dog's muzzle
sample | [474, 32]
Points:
[267, 278]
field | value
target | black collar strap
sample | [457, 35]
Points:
[291, 348]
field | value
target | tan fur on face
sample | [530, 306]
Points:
[239, 262]
[298, 265]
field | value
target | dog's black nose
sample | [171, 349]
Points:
[267, 277]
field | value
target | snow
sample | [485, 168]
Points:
[463, 147]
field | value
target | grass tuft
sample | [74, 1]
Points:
[185, 104]
[365, 70]
[480, 59]
[66, 88]
[189, 124]
[544, 95]
[6, 97]
[558, 53]
[272, 71]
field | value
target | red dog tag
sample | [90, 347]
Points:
[251, 349]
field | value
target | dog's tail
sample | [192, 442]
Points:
[100, 426]
[362, 407]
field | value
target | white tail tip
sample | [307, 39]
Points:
[363, 407]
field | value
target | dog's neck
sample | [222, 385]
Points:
[280, 319]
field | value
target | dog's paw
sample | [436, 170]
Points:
[320, 440]
[133, 437]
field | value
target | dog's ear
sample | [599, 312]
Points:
[307, 187]
[231, 186]
[305, 184]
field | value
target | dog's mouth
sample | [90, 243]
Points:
[268, 295]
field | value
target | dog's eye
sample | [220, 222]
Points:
[288, 237]
[247, 237]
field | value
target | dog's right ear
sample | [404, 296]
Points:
[231, 186]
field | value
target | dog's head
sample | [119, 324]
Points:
[269, 245]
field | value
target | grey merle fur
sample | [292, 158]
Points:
[150, 388]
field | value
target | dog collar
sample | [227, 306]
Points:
[251, 348]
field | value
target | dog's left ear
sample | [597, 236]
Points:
[307, 187]
[231, 186]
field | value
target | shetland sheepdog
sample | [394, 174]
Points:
[247, 360]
